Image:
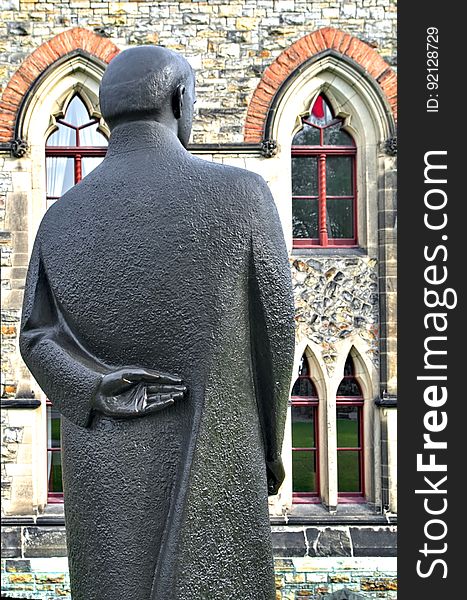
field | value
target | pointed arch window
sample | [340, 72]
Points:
[305, 442]
[73, 149]
[323, 180]
[76, 147]
[349, 409]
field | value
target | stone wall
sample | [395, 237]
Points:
[228, 43]
[319, 578]
[36, 578]
[310, 562]
[335, 298]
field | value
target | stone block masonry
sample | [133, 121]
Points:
[230, 44]
[296, 578]
[317, 578]
[310, 562]
[37, 579]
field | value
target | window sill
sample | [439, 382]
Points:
[335, 251]
[53, 515]
[345, 514]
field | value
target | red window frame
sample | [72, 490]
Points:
[358, 402]
[52, 497]
[76, 152]
[322, 151]
[313, 402]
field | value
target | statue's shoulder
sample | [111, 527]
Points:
[242, 180]
[58, 218]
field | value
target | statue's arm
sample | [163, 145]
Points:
[66, 375]
[75, 381]
[272, 328]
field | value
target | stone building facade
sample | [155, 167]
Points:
[262, 66]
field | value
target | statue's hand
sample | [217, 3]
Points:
[275, 474]
[134, 392]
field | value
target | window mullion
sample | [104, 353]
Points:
[78, 168]
[323, 232]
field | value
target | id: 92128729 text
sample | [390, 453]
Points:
[432, 67]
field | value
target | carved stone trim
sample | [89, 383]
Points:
[390, 146]
[19, 148]
[268, 148]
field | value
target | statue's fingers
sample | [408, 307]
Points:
[155, 398]
[159, 405]
[161, 397]
[149, 376]
[165, 389]
[168, 379]
[136, 375]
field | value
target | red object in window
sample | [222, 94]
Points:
[324, 194]
[318, 108]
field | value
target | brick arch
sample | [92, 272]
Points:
[36, 63]
[302, 50]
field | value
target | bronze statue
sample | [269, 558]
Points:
[158, 318]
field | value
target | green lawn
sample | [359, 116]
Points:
[304, 476]
[55, 479]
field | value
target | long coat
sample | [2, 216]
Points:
[162, 260]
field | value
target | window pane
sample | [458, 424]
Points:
[339, 176]
[90, 136]
[340, 218]
[304, 387]
[77, 113]
[64, 136]
[349, 387]
[348, 471]
[60, 175]
[49, 202]
[348, 367]
[303, 426]
[54, 467]
[304, 470]
[348, 429]
[308, 136]
[336, 136]
[89, 163]
[305, 218]
[304, 176]
[53, 428]
[303, 369]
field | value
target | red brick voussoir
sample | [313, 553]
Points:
[303, 49]
[35, 64]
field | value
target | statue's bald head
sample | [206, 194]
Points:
[146, 82]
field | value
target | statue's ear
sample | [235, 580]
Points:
[177, 101]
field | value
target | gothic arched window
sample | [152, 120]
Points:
[305, 472]
[73, 150]
[349, 408]
[323, 180]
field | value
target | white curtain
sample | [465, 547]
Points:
[60, 175]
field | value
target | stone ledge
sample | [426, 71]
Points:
[47, 538]
[334, 542]
[373, 542]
